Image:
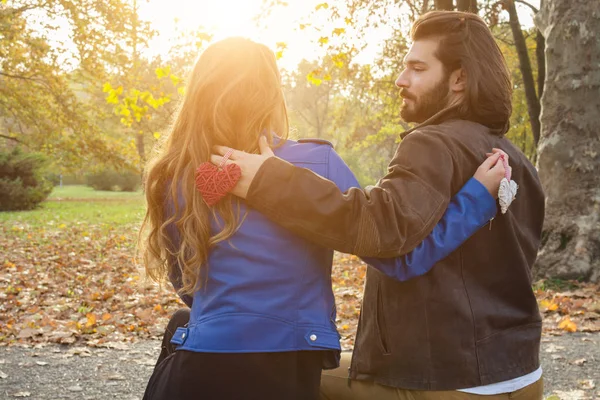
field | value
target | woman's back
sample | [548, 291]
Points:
[265, 289]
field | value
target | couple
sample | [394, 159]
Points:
[448, 310]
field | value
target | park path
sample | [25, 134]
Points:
[571, 364]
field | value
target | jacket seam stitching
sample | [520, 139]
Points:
[429, 351]
[297, 298]
[508, 330]
[462, 277]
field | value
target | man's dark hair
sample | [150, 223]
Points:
[466, 41]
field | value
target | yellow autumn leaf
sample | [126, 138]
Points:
[339, 31]
[158, 308]
[91, 320]
[547, 305]
[322, 5]
[162, 72]
[156, 135]
[323, 40]
[567, 325]
[106, 316]
[175, 79]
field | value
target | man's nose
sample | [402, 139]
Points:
[402, 82]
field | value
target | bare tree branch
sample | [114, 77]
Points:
[26, 78]
[10, 138]
[535, 10]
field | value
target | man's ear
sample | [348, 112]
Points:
[458, 80]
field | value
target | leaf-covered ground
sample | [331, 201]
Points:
[67, 276]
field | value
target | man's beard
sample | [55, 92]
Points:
[427, 105]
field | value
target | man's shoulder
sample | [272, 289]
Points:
[453, 132]
[454, 127]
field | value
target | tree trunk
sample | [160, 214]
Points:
[467, 6]
[533, 102]
[540, 55]
[141, 148]
[569, 149]
[444, 5]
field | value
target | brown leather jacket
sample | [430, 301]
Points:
[473, 320]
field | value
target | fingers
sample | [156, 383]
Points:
[217, 160]
[490, 162]
[265, 149]
[221, 150]
[498, 168]
[496, 150]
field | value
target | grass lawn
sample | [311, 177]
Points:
[86, 192]
[76, 205]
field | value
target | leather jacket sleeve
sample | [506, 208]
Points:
[469, 210]
[396, 215]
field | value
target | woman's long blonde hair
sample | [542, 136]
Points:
[233, 95]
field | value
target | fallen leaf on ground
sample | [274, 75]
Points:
[587, 384]
[567, 325]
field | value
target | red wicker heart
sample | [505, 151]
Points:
[214, 183]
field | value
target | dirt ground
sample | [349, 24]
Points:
[571, 364]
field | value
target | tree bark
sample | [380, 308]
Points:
[467, 6]
[444, 5]
[533, 102]
[540, 47]
[569, 148]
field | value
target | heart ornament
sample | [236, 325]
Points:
[214, 182]
[508, 188]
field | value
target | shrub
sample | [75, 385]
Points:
[22, 184]
[114, 181]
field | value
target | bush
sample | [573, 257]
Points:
[114, 181]
[22, 184]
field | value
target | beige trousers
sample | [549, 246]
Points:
[334, 386]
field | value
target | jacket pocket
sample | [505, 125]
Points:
[381, 323]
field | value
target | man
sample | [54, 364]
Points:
[471, 326]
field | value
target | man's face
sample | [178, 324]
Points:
[424, 84]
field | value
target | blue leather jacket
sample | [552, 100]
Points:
[267, 290]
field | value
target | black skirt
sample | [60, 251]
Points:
[186, 375]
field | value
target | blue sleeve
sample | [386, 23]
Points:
[175, 273]
[339, 173]
[470, 209]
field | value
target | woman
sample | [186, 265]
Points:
[262, 307]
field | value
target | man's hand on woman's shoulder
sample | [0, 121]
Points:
[249, 164]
